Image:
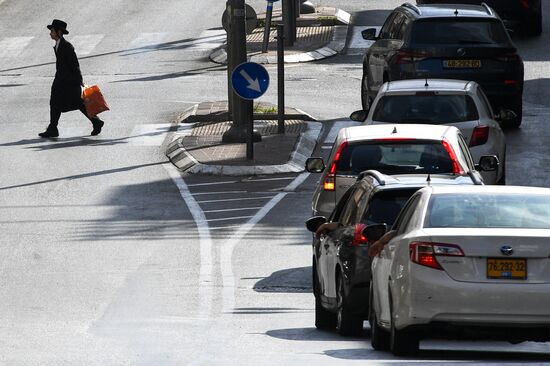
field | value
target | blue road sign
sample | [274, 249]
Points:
[250, 80]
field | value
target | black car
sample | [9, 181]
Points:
[523, 16]
[341, 265]
[465, 42]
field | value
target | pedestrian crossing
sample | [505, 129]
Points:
[90, 44]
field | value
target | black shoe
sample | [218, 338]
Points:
[50, 132]
[97, 128]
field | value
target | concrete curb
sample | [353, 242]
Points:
[185, 162]
[335, 46]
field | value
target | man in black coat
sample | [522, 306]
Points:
[66, 89]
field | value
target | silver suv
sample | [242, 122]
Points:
[392, 149]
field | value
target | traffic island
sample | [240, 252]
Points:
[197, 146]
[318, 35]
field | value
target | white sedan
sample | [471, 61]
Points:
[465, 262]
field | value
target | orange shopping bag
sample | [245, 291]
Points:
[94, 101]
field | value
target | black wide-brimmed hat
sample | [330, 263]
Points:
[59, 25]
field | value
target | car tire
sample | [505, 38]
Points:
[403, 342]
[324, 319]
[379, 337]
[348, 324]
[517, 107]
[365, 98]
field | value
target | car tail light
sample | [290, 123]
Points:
[358, 238]
[509, 57]
[456, 166]
[405, 57]
[425, 254]
[329, 183]
[480, 135]
[525, 3]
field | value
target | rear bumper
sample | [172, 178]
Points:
[433, 297]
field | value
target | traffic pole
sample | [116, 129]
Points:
[267, 29]
[289, 21]
[230, 65]
[280, 79]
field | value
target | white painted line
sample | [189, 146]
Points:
[12, 46]
[331, 137]
[232, 209]
[149, 134]
[213, 183]
[148, 40]
[225, 227]
[268, 179]
[296, 182]
[206, 272]
[326, 147]
[85, 44]
[206, 193]
[230, 218]
[228, 247]
[237, 199]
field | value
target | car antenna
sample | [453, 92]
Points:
[456, 12]
[426, 84]
[429, 179]
[394, 130]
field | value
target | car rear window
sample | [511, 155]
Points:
[462, 31]
[488, 210]
[384, 206]
[425, 108]
[395, 157]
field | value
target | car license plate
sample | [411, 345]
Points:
[462, 64]
[513, 269]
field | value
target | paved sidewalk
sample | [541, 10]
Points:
[197, 146]
[318, 36]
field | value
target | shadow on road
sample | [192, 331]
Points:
[291, 280]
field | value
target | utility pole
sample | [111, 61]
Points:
[289, 21]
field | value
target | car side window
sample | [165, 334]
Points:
[466, 152]
[403, 28]
[350, 211]
[396, 26]
[486, 105]
[384, 32]
[405, 215]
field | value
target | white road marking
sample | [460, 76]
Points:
[232, 209]
[12, 46]
[148, 40]
[268, 179]
[237, 199]
[206, 272]
[331, 137]
[149, 134]
[229, 218]
[213, 183]
[85, 44]
[222, 192]
[225, 227]
[228, 277]
[208, 40]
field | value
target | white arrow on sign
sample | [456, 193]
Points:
[253, 84]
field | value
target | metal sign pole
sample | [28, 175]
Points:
[280, 79]
[267, 30]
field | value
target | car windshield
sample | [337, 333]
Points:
[488, 210]
[385, 206]
[395, 157]
[459, 31]
[420, 108]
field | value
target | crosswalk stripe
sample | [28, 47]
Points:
[12, 46]
[148, 40]
[149, 134]
[84, 44]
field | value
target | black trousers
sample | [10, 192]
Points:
[55, 114]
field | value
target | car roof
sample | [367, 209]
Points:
[433, 85]
[397, 131]
[495, 189]
[453, 11]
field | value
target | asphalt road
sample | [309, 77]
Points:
[109, 256]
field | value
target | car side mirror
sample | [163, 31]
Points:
[369, 34]
[313, 223]
[359, 116]
[315, 165]
[374, 232]
[488, 163]
[506, 115]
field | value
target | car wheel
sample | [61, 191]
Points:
[324, 319]
[517, 107]
[347, 323]
[403, 342]
[365, 99]
[379, 338]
